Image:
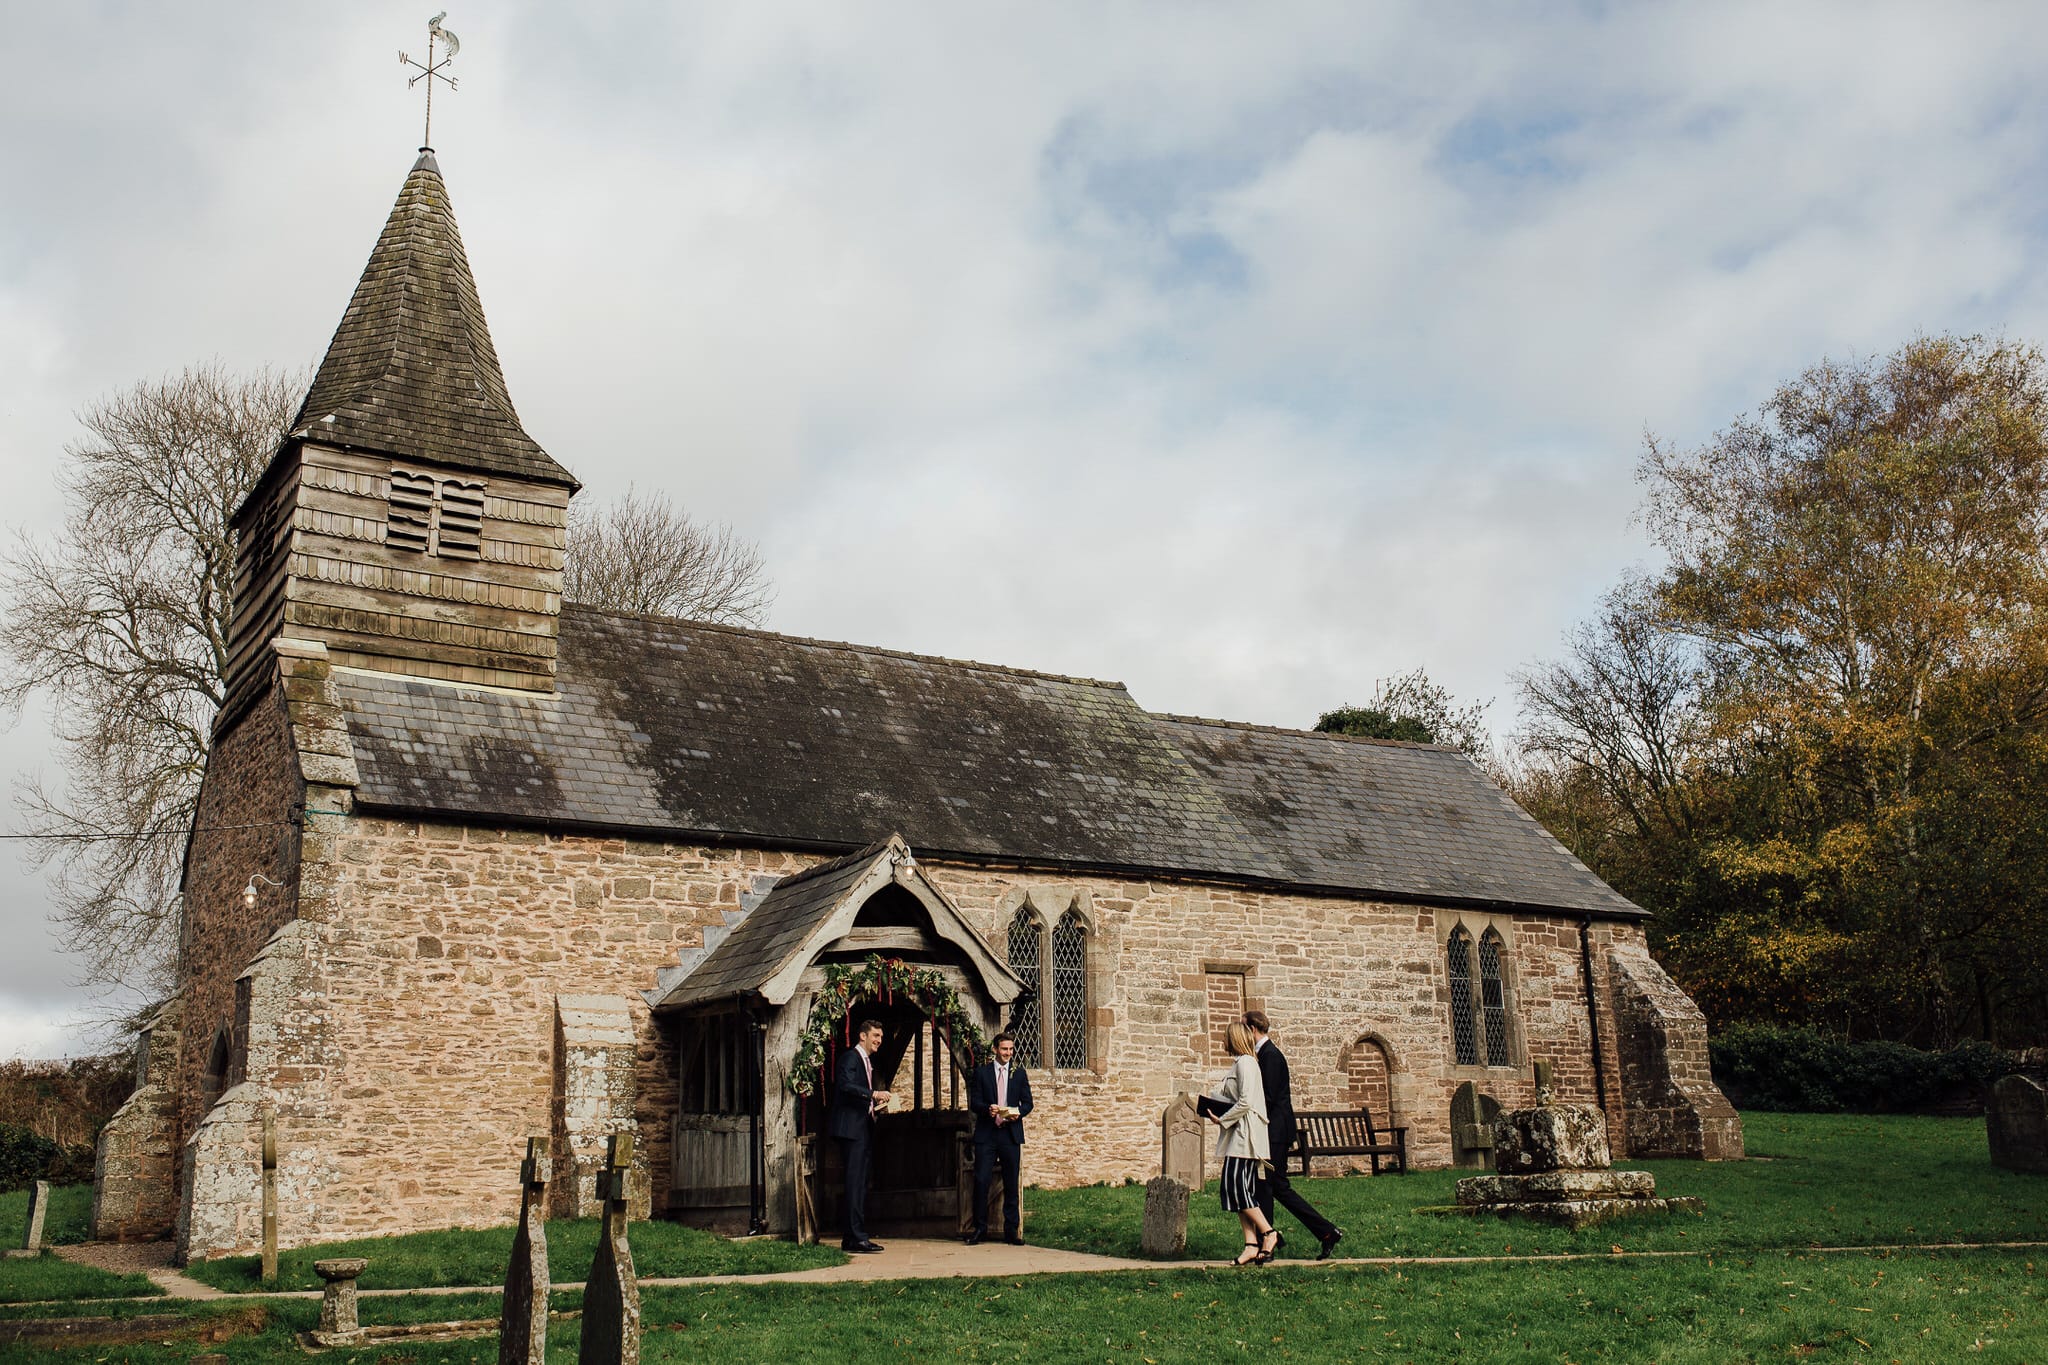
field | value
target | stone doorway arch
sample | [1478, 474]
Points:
[1372, 1078]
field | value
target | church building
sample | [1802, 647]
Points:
[472, 864]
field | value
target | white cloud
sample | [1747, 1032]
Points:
[1247, 356]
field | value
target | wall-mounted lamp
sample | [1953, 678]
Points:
[905, 866]
[249, 891]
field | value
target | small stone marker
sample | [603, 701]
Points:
[1472, 1114]
[611, 1298]
[523, 1318]
[38, 1207]
[338, 1325]
[1165, 1234]
[269, 1196]
[1181, 1142]
[2016, 1122]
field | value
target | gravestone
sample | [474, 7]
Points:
[38, 1209]
[1472, 1114]
[1165, 1233]
[523, 1317]
[338, 1325]
[269, 1196]
[1182, 1142]
[611, 1297]
[2016, 1121]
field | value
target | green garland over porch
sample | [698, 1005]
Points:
[880, 979]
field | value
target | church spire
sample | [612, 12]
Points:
[411, 371]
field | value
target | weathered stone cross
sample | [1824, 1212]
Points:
[611, 1298]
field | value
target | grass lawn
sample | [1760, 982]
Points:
[45, 1277]
[1831, 1180]
[1981, 1304]
[433, 1259]
[69, 1218]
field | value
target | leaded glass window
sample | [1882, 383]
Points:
[1464, 1036]
[1070, 992]
[1025, 936]
[1493, 1001]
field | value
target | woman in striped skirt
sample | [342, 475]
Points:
[1241, 1143]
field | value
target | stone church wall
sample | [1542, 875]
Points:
[442, 952]
[244, 829]
[445, 952]
[1170, 964]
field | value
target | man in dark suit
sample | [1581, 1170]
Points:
[1280, 1133]
[854, 1102]
[999, 1096]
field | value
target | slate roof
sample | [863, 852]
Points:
[681, 729]
[762, 944]
[411, 370]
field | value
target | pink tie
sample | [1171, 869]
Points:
[1002, 1087]
[870, 1069]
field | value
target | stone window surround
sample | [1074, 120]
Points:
[1476, 923]
[1049, 904]
[1247, 974]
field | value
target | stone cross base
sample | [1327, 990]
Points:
[338, 1325]
[1552, 1137]
[1572, 1199]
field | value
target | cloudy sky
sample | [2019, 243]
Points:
[1245, 353]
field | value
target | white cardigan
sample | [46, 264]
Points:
[1243, 1125]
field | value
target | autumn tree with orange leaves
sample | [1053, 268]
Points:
[1813, 742]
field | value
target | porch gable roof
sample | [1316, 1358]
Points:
[765, 954]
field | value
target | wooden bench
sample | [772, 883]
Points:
[1348, 1132]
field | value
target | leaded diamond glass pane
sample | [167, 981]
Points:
[1464, 1037]
[1493, 1002]
[1024, 1017]
[1069, 992]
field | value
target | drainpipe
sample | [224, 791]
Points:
[1592, 1011]
[757, 1159]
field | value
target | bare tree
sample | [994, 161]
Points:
[121, 620]
[645, 554]
[1411, 706]
[1624, 708]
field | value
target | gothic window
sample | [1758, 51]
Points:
[1070, 992]
[1026, 937]
[429, 516]
[1493, 1002]
[1464, 1036]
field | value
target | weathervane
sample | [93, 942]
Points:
[431, 70]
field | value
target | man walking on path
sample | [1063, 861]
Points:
[854, 1101]
[1280, 1134]
[999, 1094]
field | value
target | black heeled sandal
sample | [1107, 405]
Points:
[1266, 1253]
[1243, 1260]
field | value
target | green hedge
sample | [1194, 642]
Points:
[1803, 1070]
[27, 1157]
